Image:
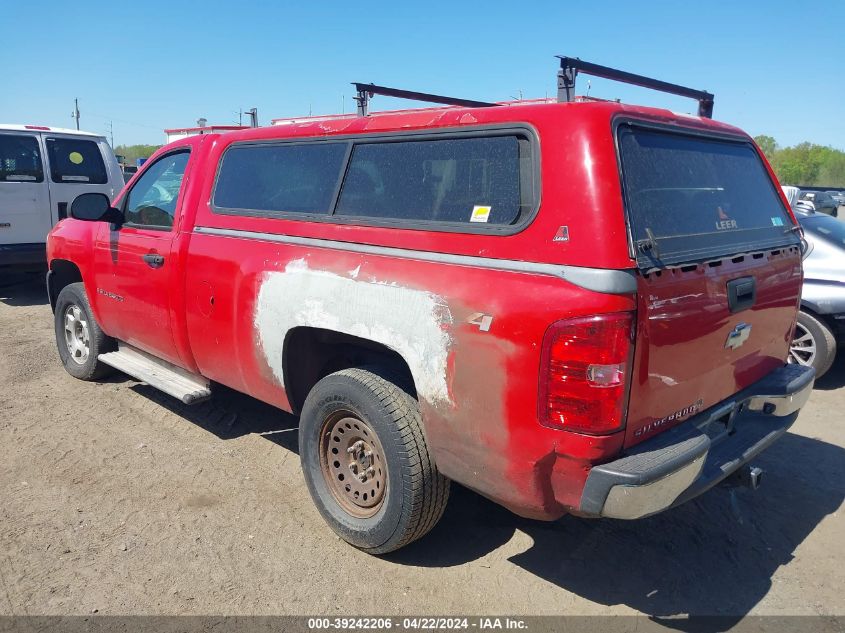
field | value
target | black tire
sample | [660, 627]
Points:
[817, 334]
[415, 493]
[72, 298]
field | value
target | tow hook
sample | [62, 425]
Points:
[746, 477]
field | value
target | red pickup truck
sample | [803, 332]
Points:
[570, 307]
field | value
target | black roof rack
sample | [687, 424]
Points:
[569, 69]
[367, 91]
[571, 66]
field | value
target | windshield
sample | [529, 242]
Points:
[826, 228]
[690, 197]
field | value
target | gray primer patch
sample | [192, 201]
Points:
[412, 322]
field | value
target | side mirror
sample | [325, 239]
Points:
[95, 207]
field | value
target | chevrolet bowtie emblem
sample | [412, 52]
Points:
[738, 336]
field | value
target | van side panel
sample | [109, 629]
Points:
[24, 200]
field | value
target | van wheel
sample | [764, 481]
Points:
[813, 344]
[366, 462]
[78, 335]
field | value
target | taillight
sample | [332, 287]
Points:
[584, 373]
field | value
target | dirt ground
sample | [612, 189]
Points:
[118, 500]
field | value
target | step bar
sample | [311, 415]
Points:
[172, 380]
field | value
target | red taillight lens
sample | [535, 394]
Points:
[584, 373]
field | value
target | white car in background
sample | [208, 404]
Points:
[42, 169]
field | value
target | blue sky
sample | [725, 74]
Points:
[776, 67]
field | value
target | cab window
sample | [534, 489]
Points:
[152, 200]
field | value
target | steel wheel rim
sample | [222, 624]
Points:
[77, 337]
[352, 463]
[802, 350]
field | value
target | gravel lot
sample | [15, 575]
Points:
[118, 499]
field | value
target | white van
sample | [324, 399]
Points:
[42, 169]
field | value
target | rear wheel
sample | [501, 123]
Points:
[813, 345]
[78, 335]
[366, 461]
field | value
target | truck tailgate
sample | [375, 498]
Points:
[692, 351]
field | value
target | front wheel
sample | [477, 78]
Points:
[813, 345]
[78, 335]
[366, 461]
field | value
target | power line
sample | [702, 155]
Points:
[109, 118]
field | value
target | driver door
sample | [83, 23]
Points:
[135, 273]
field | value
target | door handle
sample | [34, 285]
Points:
[154, 260]
[742, 294]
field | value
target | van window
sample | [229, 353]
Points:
[690, 197]
[20, 159]
[298, 178]
[483, 180]
[75, 160]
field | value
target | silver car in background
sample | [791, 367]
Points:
[821, 321]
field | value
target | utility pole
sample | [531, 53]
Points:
[111, 133]
[75, 113]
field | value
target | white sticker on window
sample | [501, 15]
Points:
[480, 214]
[76, 178]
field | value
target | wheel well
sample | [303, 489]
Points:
[825, 319]
[62, 273]
[311, 354]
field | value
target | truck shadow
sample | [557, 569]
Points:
[230, 414]
[835, 377]
[22, 289]
[713, 556]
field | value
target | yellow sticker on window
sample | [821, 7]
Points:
[76, 158]
[480, 214]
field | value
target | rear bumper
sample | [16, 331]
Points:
[23, 254]
[685, 461]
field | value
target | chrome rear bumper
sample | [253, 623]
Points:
[685, 461]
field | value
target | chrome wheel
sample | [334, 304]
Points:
[802, 350]
[353, 465]
[76, 334]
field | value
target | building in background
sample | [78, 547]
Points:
[312, 119]
[175, 134]
[202, 127]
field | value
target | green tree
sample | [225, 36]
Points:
[768, 144]
[805, 164]
[132, 152]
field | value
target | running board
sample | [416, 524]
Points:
[172, 380]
